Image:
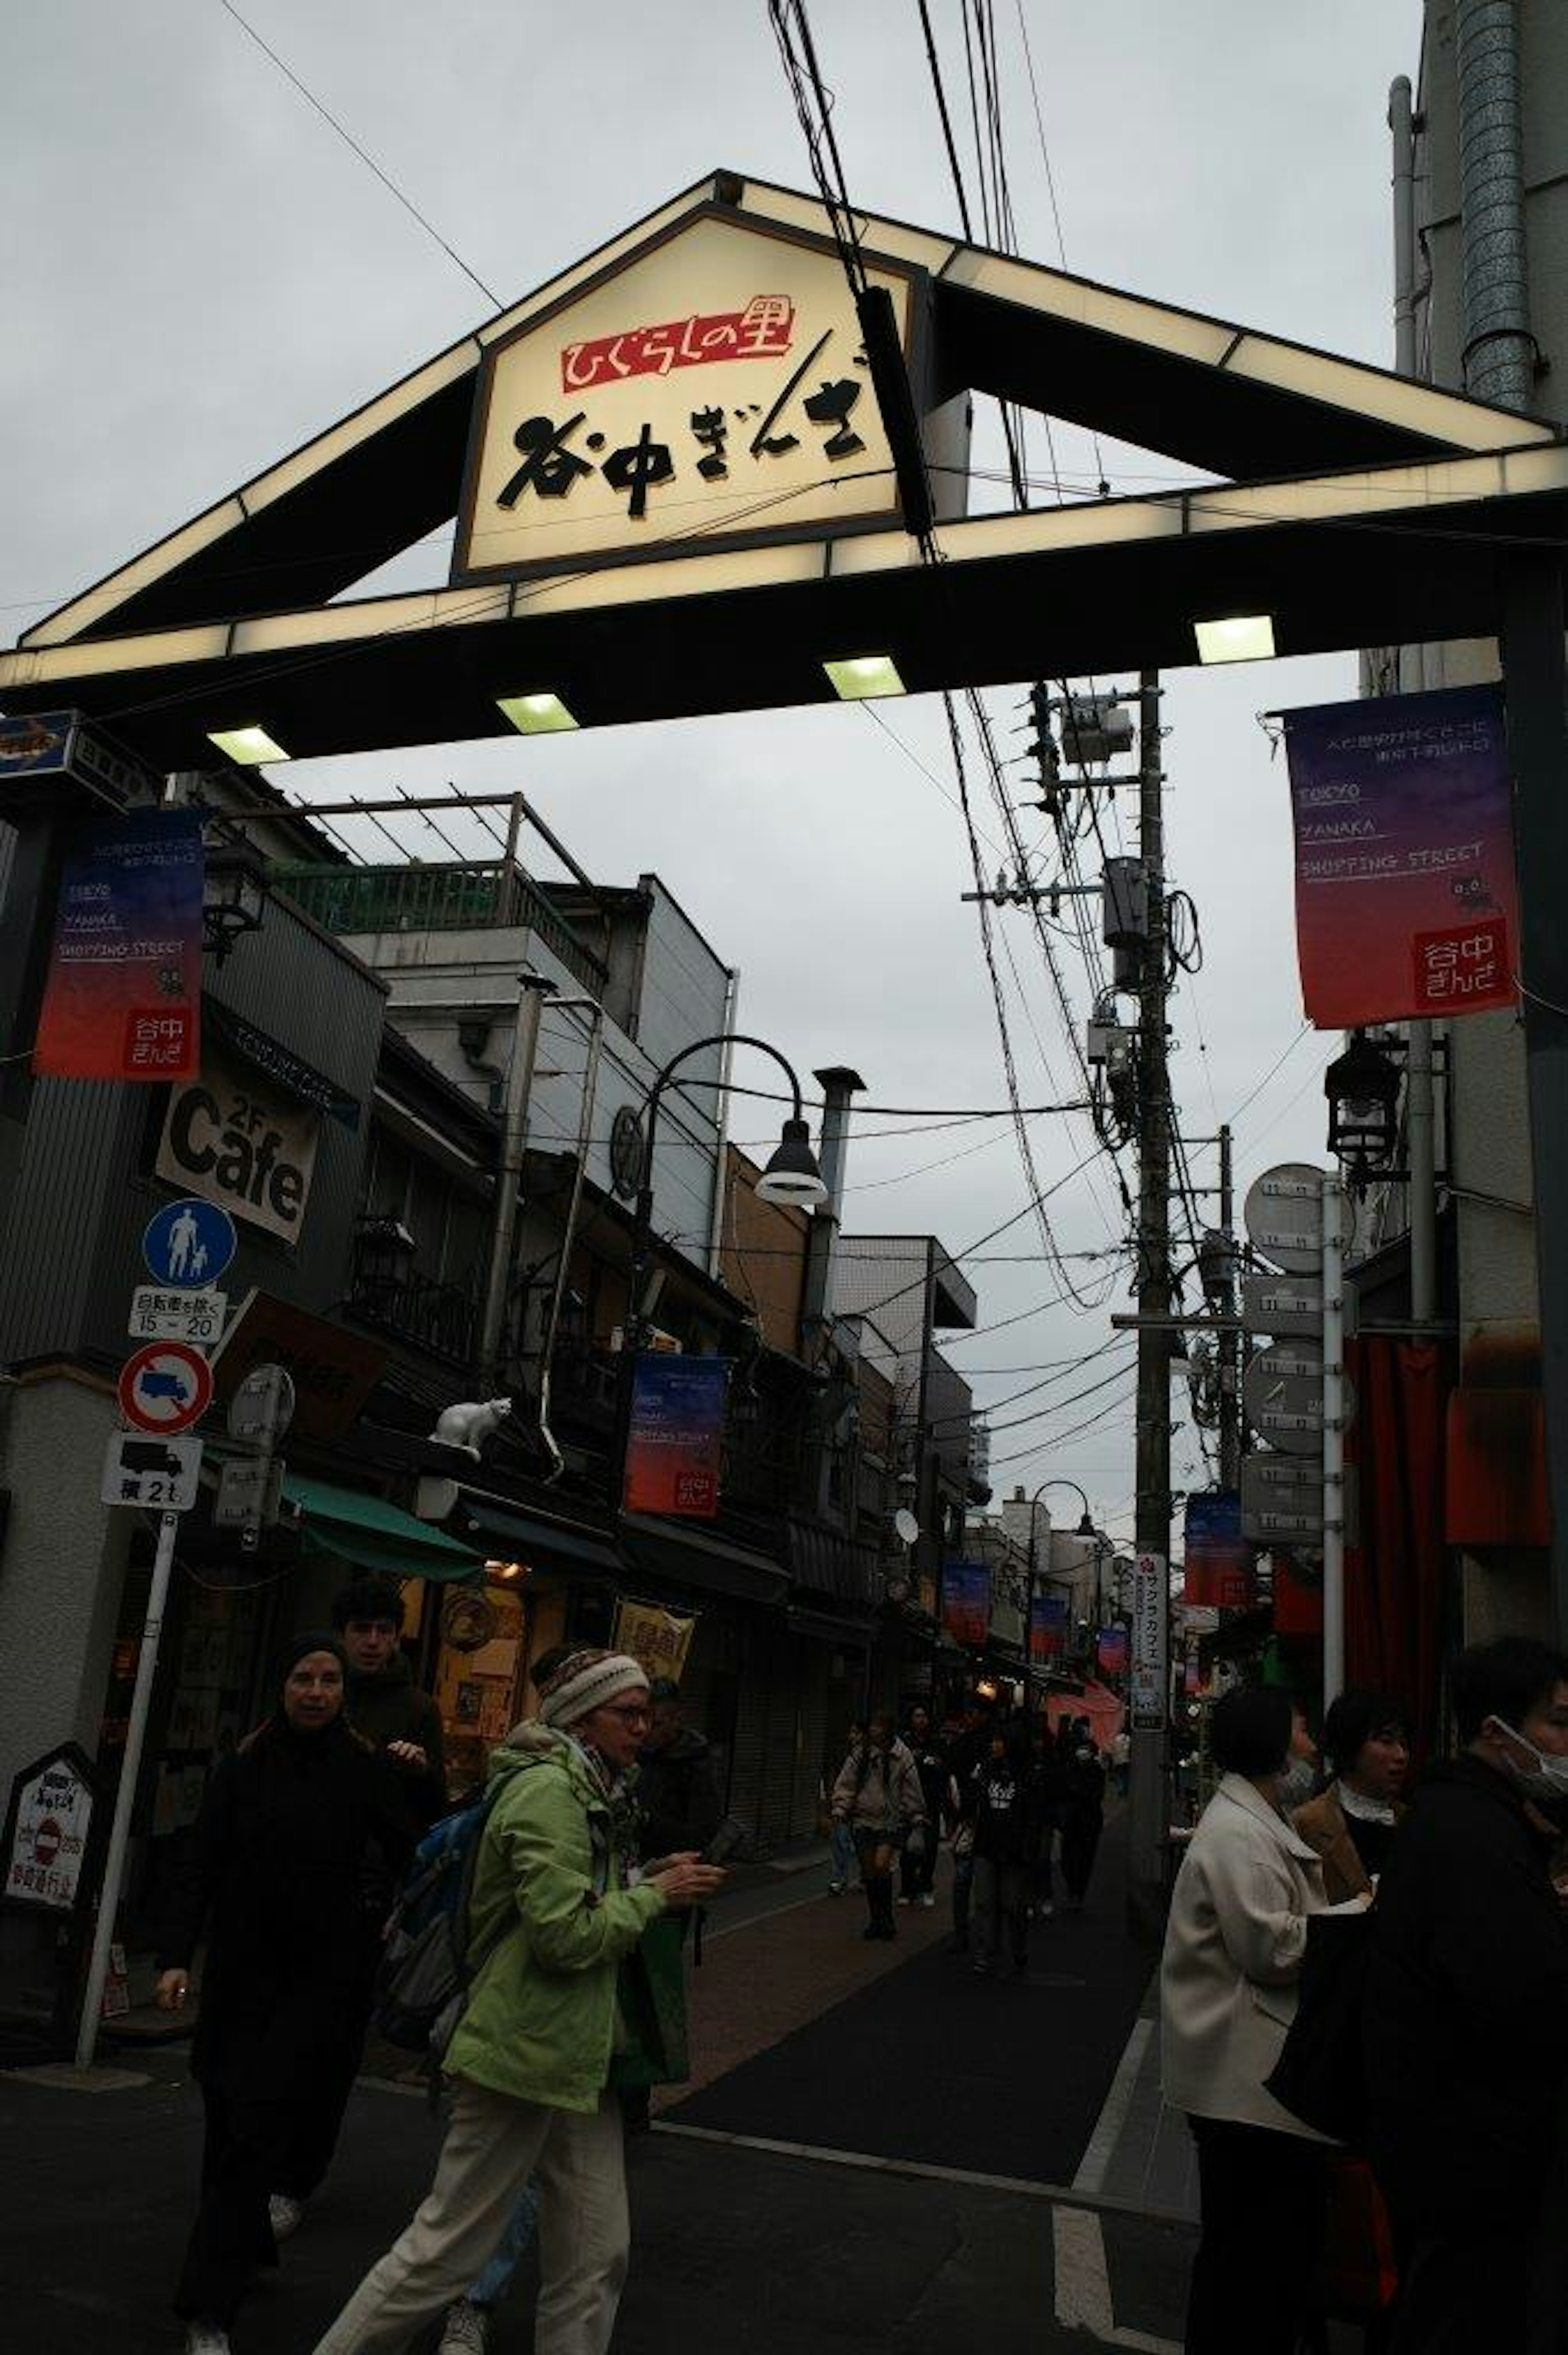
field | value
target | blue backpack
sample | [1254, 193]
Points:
[426, 1968]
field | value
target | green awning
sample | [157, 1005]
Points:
[374, 1535]
[545, 1543]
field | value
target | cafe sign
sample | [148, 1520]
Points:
[234, 1136]
[715, 389]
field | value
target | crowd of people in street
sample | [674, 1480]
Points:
[586, 1843]
[1364, 2016]
[1363, 1990]
[1012, 1804]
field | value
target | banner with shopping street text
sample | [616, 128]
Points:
[1407, 902]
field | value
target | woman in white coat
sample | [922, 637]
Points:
[1233, 1950]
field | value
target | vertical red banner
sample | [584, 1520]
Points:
[123, 1000]
[675, 1444]
[1406, 900]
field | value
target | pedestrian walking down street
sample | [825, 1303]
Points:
[1122, 1759]
[918, 1870]
[878, 1795]
[1233, 1950]
[1006, 1837]
[531, 2055]
[383, 1703]
[1048, 1799]
[843, 1867]
[466, 2330]
[1467, 2019]
[1353, 1824]
[962, 1815]
[679, 1802]
[1083, 1815]
[298, 1832]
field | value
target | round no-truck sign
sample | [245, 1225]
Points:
[166, 1387]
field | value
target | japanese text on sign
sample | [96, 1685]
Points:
[761, 332]
[54, 1810]
[746, 407]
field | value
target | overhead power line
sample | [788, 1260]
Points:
[369, 162]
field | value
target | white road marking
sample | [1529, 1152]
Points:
[1095, 2164]
[1083, 2284]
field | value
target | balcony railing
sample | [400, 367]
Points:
[451, 896]
[439, 1318]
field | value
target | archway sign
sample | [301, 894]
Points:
[676, 494]
[685, 475]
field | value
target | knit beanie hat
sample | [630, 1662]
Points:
[300, 1647]
[587, 1681]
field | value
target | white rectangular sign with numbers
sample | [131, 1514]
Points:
[161, 1314]
[143, 1468]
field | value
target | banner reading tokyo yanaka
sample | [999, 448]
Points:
[123, 1000]
[674, 1447]
[966, 1602]
[1405, 895]
[1219, 1560]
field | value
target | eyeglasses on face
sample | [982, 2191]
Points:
[634, 1714]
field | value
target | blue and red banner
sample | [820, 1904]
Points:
[1219, 1561]
[675, 1443]
[1048, 1627]
[966, 1602]
[123, 1000]
[1111, 1651]
[1406, 892]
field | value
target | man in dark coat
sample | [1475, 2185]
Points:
[1466, 2013]
[678, 1795]
[383, 1704]
[1006, 1838]
[929, 1753]
[295, 1830]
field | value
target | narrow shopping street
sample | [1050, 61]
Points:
[878, 2148]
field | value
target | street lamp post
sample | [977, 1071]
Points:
[1085, 1529]
[791, 1177]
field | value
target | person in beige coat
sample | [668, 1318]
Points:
[878, 1797]
[1234, 1951]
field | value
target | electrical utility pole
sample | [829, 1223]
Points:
[1228, 1343]
[1148, 1805]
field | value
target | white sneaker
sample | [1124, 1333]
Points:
[284, 2214]
[467, 2329]
[206, 2339]
[928, 1900]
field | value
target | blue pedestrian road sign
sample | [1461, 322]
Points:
[189, 1243]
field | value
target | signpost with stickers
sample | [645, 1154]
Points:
[164, 1388]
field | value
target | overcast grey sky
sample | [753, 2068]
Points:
[201, 275]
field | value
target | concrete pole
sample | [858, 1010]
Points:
[1420, 1126]
[125, 1796]
[1149, 1806]
[1536, 681]
[1334, 1436]
[532, 990]
[1229, 1342]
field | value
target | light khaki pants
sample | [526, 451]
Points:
[493, 2144]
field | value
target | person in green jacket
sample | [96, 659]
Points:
[551, 1918]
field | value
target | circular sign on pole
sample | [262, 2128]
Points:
[1284, 1215]
[188, 1243]
[166, 1387]
[262, 1408]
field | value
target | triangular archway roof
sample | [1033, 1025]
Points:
[1351, 508]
